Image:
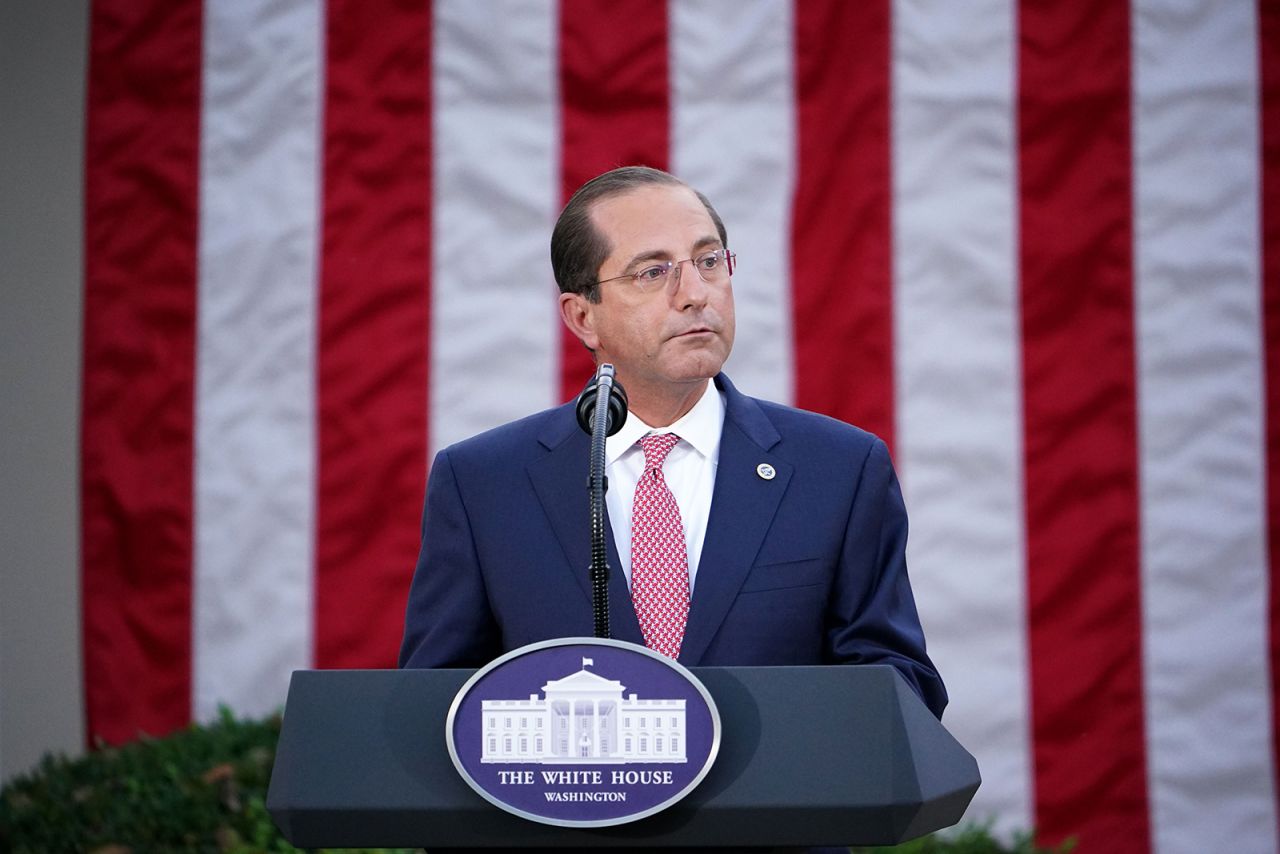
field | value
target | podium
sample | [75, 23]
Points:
[835, 755]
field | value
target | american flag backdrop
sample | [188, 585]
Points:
[1033, 245]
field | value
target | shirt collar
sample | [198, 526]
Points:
[700, 427]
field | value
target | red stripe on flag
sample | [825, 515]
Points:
[614, 110]
[1269, 109]
[841, 245]
[1081, 425]
[142, 151]
[373, 326]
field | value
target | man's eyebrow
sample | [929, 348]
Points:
[651, 255]
[659, 255]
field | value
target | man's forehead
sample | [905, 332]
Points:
[652, 212]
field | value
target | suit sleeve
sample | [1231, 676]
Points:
[448, 622]
[873, 617]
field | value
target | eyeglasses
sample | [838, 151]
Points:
[714, 267]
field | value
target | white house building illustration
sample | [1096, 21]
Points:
[583, 719]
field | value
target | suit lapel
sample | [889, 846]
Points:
[743, 505]
[560, 481]
[622, 613]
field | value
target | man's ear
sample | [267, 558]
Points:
[577, 313]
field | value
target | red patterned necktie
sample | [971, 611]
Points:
[659, 566]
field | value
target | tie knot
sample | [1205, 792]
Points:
[656, 446]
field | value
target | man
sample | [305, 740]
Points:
[744, 532]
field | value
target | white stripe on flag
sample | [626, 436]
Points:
[733, 137]
[495, 327]
[1200, 391]
[959, 435]
[254, 407]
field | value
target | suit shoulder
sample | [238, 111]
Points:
[515, 438]
[812, 427]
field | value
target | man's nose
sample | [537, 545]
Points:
[690, 291]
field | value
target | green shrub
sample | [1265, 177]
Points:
[204, 790]
[199, 790]
[970, 839]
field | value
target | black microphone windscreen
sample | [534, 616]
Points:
[586, 405]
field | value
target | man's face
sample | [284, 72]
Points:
[669, 339]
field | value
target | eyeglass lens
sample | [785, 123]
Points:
[712, 266]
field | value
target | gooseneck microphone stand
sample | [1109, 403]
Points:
[602, 408]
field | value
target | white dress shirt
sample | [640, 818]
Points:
[689, 470]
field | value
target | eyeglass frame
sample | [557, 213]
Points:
[672, 266]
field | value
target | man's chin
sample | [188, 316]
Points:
[696, 370]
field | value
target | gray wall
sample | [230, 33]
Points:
[42, 79]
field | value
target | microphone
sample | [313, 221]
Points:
[601, 409]
[617, 406]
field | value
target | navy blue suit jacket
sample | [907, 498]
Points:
[806, 568]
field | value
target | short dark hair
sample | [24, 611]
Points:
[578, 249]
